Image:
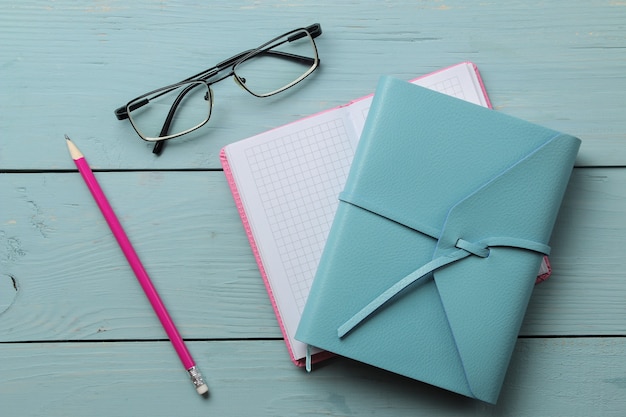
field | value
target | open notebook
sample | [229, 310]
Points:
[285, 183]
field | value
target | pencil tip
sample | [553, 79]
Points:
[76, 154]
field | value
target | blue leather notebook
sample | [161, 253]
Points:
[440, 230]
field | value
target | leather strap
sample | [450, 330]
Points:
[465, 249]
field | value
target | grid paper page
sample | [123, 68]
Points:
[300, 200]
[451, 86]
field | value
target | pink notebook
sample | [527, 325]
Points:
[285, 184]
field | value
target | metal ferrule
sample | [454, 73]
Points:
[196, 376]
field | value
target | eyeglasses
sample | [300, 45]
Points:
[180, 108]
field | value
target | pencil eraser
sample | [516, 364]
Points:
[202, 389]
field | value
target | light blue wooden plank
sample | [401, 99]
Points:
[73, 282]
[547, 377]
[66, 66]
[587, 258]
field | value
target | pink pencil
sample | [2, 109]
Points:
[140, 272]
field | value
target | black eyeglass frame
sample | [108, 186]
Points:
[204, 78]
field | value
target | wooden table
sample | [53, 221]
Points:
[77, 336]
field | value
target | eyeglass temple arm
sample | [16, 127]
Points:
[314, 30]
[122, 112]
[291, 57]
[158, 146]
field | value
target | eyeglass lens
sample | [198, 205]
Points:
[279, 65]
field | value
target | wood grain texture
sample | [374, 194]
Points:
[77, 336]
[547, 377]
[67, 66]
